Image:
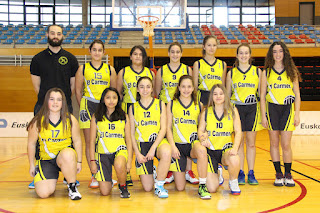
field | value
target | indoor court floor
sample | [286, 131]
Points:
[304, 197]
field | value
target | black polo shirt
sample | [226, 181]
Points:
[55, 70]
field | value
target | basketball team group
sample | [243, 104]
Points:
[181, 116]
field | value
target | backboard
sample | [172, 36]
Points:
[171, 13]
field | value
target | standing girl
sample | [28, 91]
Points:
[91, 79]
[183, 115]
[209, 70]
[167, 79]
[148, 128]
[56, 130]
[280, 107]
[242, 86]
[220, 120]
[110, 143]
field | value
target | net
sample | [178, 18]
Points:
[148, 24]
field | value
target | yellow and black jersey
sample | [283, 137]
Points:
[147, 120]
[170, 81]
[110, 136]
[130, 78]
[54, 139]
[210, 74]
[185, 121]
[219, 129]
[280, 88]
[95, 81]
[244, 85]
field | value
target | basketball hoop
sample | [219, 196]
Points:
[148, 24]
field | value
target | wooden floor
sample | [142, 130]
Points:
[16, 197]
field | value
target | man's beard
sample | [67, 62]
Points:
[54, 43]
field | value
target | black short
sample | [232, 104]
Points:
[145, 168]
[248, 117]
[104, 165]
[214, 158]
[47, 169]
[179, 165]
[280, 117]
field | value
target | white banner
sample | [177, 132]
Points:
[14, 124]
[309, 123]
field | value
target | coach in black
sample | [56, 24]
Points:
[53, 67]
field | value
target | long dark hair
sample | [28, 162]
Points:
[291, 69]
[102, 110]
[177, 93]
[144, 53]
[138, 97]
[236, 63]
[205, 40]
[227, 107]
[44, 112]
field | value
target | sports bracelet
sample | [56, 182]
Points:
[92, 160]
[79, 162]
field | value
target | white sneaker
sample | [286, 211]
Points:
[73, 192]
[169, 178]
[288, 181]
[93, 184]
[161, 192]
[220, 171]
[191, 178]
[234, 187]
[279, 180]
[154, 172]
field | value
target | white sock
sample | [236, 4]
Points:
[202, 180]
[159, 183]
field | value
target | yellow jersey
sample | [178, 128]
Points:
[244, 85]
[147, 120]
[95, 81]
[219, 129]
[170, 80]
[279, 88]
[185, 121]
[54, 139]
[130, 78]
[110, 136]
[210, 74]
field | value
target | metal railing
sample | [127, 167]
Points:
[25, 60]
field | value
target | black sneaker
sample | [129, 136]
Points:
[73, 192]
[124, 191]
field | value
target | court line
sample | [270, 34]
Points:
[296, 170]
[21, 155]
[5, 211]
[301, 196]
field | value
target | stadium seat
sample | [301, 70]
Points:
[262, 29]
[179, 37]
[267, 32]
[309, 41]
[105, 33]
[292, 36]
[303, 36]
[240, 37]
[227, 33]
[20, 41]
[300, 28]
[287, 32]
[230, 37]
[89, 41]
[168, 37]
[247, 33]
[307, 32]
[114, 37]
[20, 33]
[219, 37]
[169, 41]
[66, 41]
[77, 41]
[95, 33]
[257, 32]
[251, 37]
[199, 37]
[282, 37]
[244, 41]
[188, 33]
[37, 37]
[271, 37]
[262, 37]
[189, 37]
[313, 36]
[277, 32]
[191, 41]
[158, 41]
[200, 41]
[158, 37]
[310, 28]
[256, 42]
[288, 41]
[298, 41]
[216, 33]
[266, 41]
[296, 32]
[9, 32]
[112, 41]
[223, 41]
[43, 41]
[272, 29]
[92, 37]
[32, 41]
[234, 41]
[236, 33]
